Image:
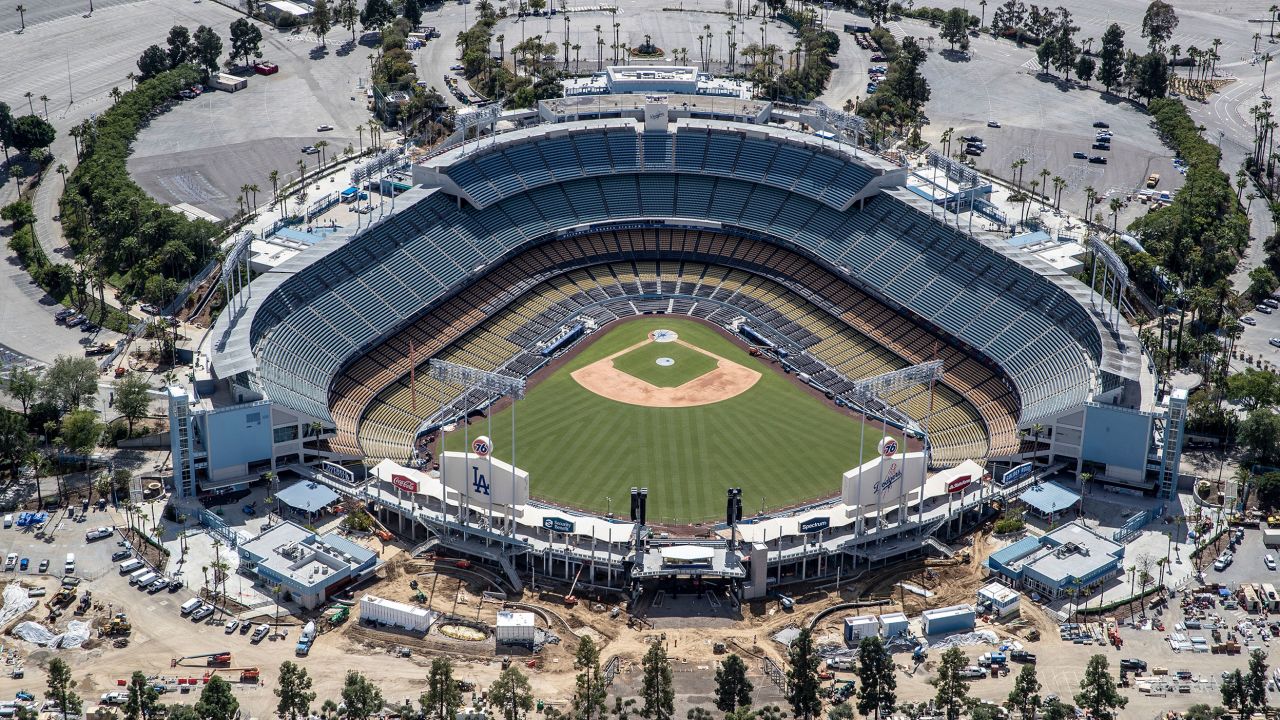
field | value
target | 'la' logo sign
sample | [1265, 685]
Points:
[478, 481]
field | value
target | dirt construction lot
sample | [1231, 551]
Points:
[689, 626]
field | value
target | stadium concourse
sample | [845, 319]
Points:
[517, 248]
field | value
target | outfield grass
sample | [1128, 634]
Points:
[779, 444]
[642, 363]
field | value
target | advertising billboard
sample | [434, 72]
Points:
[883, 480]
[404, 483]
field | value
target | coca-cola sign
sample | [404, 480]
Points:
[403, 483]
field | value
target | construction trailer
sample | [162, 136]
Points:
[894, 625]
[999, 600]
[380, 611]
[947, 620]
[858, 627]
[514, 628]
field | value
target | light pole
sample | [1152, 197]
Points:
[610, 501]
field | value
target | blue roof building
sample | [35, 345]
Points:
[307, 497]
[1049, 500]
[1072, 558]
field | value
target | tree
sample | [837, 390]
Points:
[802, 677]
[511, 695]
[179, 711]
[1084, 68]
[1112, 54]
[80, 431]
[347, 13]
[1234, 695]
[876, 680]
[1260, 433]
[142, 699]
[657, 694]
[955, 28]
[246, 41]
[1025, 695]
[1098, 695]
[30, 132]
[376, 13]
[207, 48]
[152, 62]
[321, 20]
[217, 702]
[442, 698]
[179, 44]
[589, 691]
[361, 697]
[132, 397]
[60, 688]
[413, 12]
[1152, 76]
[69, 381]
[1255, 683]
[294, 691]
[952, 690]
[1158, 24]
[23, 386]
[1253, 389]
[16, 442]
[733, 689]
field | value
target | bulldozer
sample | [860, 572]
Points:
[119, 625]
[64, 597]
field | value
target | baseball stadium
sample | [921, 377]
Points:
[676, 300]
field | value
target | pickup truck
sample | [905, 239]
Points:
[1023, 656]
[260, 632]
[98, 534]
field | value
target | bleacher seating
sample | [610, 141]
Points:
[804, 306]
[395, 284]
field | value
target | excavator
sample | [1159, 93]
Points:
[213, 659]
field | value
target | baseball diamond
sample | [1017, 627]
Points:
[581, 447]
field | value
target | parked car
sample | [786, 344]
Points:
[971, 150]
[75, 320]
[1271, 303]
[1274, 342]
[993, 124]
[971, 138]
[310, 149]
[1263, 309]
[63, 314]
[1078, 155]
[260, 632]
[99, 533]
[158, 584]
[115, 698]
[1098, 160]
[1101, 146]
[1248, 320]
[1133, 664]
[44, 566]
[11, 561]
[266, 68]
[22, 565]
[149, 309]
[202, 612]
[1100, 124]
[1269, 560]
[323, 128]
[121, 554]
[231, 626]
[972, 672]
[1153, 180]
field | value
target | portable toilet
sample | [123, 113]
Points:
[894, 625]
[953, 619]
[856, 628]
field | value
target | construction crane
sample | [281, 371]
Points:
[247, 674]
[222, 657]
[570, 600]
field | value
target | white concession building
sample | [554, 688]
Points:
[374, 609]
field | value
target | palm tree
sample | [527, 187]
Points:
[254, 189]
[22, 17]
[315, 428]
[577, 58]
[62, 170]
[321, 145]
[983, 21]
[1089, 195]
[1044, 181]
[1116, 206]
[45, 99]
[1016, 166]
[133, 80]
[30, 105]
[1058, 186]
[599, 50]
[274, 178]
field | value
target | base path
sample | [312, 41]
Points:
[729, 379]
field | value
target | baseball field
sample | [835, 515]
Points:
[686, 416]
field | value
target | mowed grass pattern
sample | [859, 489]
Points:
[779, 444]
[642, 363]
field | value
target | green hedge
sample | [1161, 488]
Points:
[104, 211]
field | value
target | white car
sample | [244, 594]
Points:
[1248, 320]
[115, 698]
[201, 613]
[1275, 342]
[261, 632]
[231, 626]
[1270, 561]
[323, 128]
[98, 533]
[10, 560]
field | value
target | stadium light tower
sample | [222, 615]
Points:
[488, 383]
